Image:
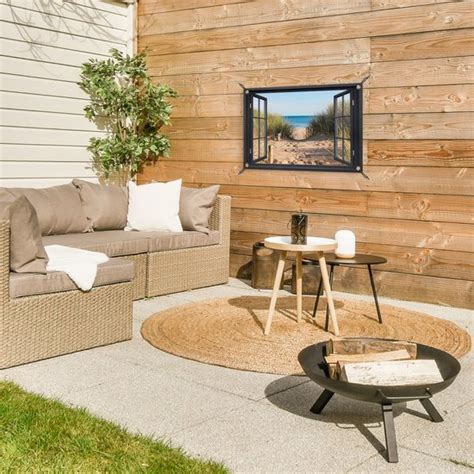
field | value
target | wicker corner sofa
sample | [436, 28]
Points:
[39, 326]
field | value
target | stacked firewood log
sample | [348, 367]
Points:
[379, 362]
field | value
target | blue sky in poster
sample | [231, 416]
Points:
[299, 102]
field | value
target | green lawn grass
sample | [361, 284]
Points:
[41, 435]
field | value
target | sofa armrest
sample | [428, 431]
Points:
[220, 218]
[4, 262]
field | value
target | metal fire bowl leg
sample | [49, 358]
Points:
[321, 402]
[389, 430]
[431, 410]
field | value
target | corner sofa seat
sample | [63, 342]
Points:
[140, 247]
[120, 243]
[65, 320]
[116, 270]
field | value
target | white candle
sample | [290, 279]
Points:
[346, 244]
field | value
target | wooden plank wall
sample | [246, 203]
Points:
[416, 204]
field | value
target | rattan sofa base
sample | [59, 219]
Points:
[43, 326]
[141, 273]
[186, 269]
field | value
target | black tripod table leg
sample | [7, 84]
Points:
[331, 278]
[374, 291]
[390, 436]
[322, 401]
[431, 410]
[317, 297]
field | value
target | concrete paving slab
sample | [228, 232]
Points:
[143, 309]
[250, 385]
[263, 438]
[409, 461]
[69, 373]
[137, 351]
[154, 402]
[457, 433]
[212, 292]
[342, 412]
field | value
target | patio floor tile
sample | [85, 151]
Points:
[69, 373]
[263, 438]
[410, 461]
[154, 402]
[457, 433]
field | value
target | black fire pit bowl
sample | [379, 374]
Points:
[312, 361]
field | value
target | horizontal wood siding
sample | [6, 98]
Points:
[43, 133]
[416, 203]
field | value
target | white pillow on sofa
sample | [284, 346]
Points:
[154, 206]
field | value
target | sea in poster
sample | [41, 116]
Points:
[299, 121]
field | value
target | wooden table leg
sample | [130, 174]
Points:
[327, 288]
[299, 286]
[276, 288]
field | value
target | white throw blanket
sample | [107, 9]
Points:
[80, 265]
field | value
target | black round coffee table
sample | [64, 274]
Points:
[359, 259]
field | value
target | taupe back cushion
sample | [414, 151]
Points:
[195, 207]
[27, 254]
[58, 208]
[105, 207]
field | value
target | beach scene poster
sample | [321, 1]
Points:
[302, 128]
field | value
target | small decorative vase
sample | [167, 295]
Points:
[346, 244]
[299, 226]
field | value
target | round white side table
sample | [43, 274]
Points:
[317, 245]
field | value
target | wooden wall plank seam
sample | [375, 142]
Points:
[422, 72]
[415, 99]
[430, 180]
[247, 13]
[370, 230]
[435, 290]
[358, 25]
[401, 259]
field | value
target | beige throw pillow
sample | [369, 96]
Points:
[105, 206]
[27, 254]
[195, 207]
[58, 208]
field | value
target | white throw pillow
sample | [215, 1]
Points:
[154, 206]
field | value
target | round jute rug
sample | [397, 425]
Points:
[228, 331]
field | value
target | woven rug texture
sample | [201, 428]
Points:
[229, 331]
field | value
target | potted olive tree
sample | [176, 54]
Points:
[131, 109]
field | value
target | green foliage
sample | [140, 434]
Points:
[130, 108]
[38, 435]
[322, 124]
[277, 124]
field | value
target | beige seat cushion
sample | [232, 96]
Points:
[160, 241]
[59, 208]
[114, 243]
[116, 270]
[27, 252]
[105, 206]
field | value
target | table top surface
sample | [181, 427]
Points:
[358, 259]
[313, 244]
